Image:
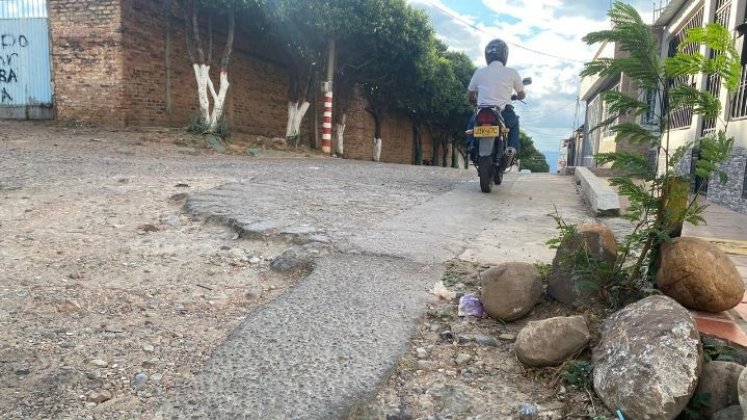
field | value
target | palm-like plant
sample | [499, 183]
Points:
[658, 192]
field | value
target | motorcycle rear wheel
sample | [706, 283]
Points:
[498, 177]
[485, 169]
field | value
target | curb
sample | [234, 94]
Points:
[603, 200]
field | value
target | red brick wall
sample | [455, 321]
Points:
[112, 58]
[396, 133]
[87, 60]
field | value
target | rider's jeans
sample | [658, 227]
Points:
[512, 123]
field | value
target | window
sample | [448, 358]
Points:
[648, 118]
[713, 82]
[594, 111]
[682, 117]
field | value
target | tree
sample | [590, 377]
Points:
[658, 192]
[529, 156]
[194, 11]
[401, 47]
[296, 30]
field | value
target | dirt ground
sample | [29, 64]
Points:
[450, 373]
[109, 295]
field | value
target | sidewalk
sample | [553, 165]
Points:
[726, 229]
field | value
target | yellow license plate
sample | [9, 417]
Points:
[487, 131]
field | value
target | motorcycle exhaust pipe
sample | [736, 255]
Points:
[508, 157]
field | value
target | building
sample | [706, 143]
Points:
[600, 139]
[123, 63]
[671, 20]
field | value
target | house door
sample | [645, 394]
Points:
[25, 69]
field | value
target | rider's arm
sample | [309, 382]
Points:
[472, 96]
[519, 88]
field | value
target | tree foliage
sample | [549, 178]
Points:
[529, 156]
[658, 192]
[386, 49]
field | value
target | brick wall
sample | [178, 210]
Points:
[87, 60]
[124, 63]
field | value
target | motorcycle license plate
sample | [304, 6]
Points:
[487, 131]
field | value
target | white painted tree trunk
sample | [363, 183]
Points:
[376, 150]
[296, 112]
[210, 116]
[202, 75]
[219, 101]
[340, 136]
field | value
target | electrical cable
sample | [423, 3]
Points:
[448, 12]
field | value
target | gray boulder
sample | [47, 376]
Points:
[730, 413]
[742, 388]
[511, 290]
[648, 359]
[719, 381]
[552, 341]
[595, 241]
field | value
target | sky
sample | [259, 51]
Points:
[553, 29]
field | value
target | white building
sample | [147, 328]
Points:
[671, 21]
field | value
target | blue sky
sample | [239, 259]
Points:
[553, 27]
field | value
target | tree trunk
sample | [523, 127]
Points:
[340, 136]
[417, 144]
[445, 152]
[377, 149]
[296, 113]
[210, 115]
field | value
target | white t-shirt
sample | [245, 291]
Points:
[495, 84]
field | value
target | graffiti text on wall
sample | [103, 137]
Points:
[8, 43]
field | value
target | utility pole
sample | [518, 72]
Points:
[327, 90]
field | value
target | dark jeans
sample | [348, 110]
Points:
[512, 123]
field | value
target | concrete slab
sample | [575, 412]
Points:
[602, 199]
[326, 343]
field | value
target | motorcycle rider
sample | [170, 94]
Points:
[494, 86]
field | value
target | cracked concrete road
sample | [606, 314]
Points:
[327, 343]
[317, 349]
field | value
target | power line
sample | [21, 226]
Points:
[448, 12]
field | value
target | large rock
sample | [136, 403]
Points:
[742, 388]
[719, 382]
[648, 359]
[511, 290]
[730, 413]
[595, 240]
[698, 275]
[552, 341]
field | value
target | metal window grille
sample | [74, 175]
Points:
[648, 118]
[594, 111]
[739, 106]
[713, 82]
[682, 117]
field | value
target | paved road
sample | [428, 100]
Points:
[328, 342]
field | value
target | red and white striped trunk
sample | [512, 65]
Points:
[327, 124]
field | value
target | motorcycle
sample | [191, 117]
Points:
[491, 133]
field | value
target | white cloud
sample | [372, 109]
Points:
[555, 27]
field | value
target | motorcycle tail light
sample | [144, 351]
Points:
[486, 118]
